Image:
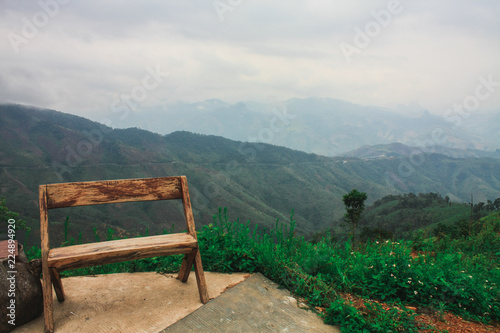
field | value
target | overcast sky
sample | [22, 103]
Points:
[85, 57]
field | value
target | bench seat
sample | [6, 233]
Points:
[93, 254]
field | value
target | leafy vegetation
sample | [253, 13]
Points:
[6, 214]
[401, 216]
[460, 275]
[354, 202]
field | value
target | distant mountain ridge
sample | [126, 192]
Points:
[397, 150]
[259, 182]
[322, 126]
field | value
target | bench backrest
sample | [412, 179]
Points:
[113, 191]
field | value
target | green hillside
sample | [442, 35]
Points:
[402, 215]
[258, 181]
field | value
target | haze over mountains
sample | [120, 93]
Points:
[398, 150]
[258, 182]
[322, 126]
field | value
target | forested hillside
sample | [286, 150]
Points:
[258, 182]
[399, 216]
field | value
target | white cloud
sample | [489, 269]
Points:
[90, 53]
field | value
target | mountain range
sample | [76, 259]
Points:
[323, 126]
[398, 150]
[258, 182]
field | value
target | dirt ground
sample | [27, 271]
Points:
[129, 302]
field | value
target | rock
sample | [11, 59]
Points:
[21, 298]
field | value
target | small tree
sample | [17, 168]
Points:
[354, 202]
[496, 203]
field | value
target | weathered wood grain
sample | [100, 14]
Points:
[116, 191]
[58, 286]
[92, 254]
[200, 278]
[46, 280]
[186, 204]
[187, 263]
[112, 191]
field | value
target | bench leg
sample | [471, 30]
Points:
[47, 300]
[200, 278]
[58, 287]
[187, 264]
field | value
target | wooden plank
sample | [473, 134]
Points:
[112, 191]
[200, 278]
[47, 283]
[44, 221]
[47, 300]
[187, 264]
[58, 286]
[186, 204]
[92, 254]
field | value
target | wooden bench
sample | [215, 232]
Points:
[115, 191]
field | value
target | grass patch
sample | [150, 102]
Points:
[456, 275]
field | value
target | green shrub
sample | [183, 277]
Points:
[459, 275]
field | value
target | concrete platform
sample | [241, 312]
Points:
[256, 305]
[152, 303]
